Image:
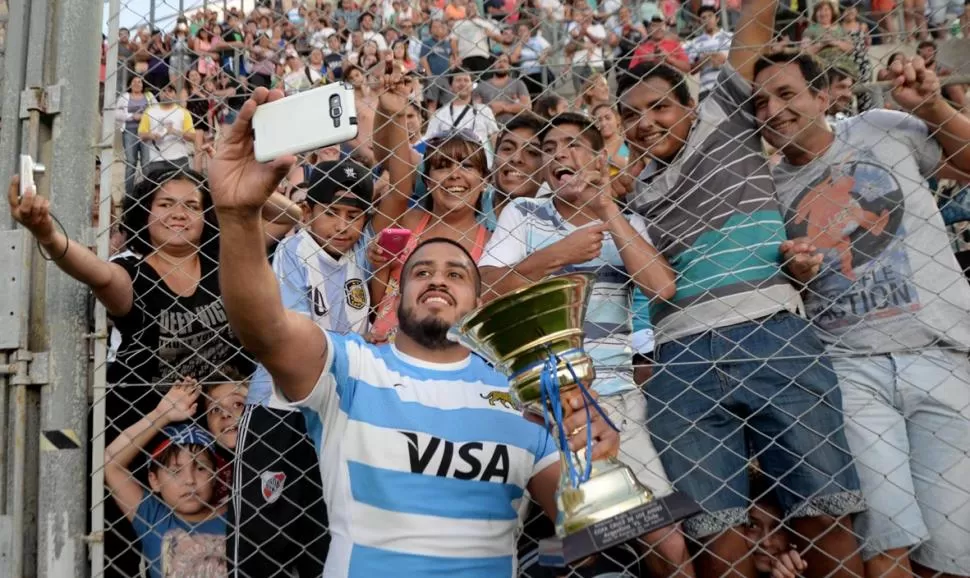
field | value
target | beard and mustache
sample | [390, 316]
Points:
[430, 332]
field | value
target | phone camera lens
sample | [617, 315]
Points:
[335, 109]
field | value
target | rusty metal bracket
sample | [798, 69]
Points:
[45, 100]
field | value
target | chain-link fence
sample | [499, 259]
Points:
[768, 201]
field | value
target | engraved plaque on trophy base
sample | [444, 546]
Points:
[603, 535]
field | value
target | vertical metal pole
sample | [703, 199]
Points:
[3, 31]
[151, 14]
[99, 389]
[181, 7]
[62, 515]
[26, 49]
[15, 68]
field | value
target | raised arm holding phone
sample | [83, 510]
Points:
[456, 516]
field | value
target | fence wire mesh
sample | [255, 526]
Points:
[772, 203]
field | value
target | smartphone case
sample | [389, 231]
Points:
[394, 240]
[305, 121]
[27, 168]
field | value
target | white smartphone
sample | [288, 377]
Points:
[305, 121]
[27, 170]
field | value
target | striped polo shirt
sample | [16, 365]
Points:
[706, 43]
[424, 465]
[714, 215]
[529, 225]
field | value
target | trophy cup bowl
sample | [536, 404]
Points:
[518, 333]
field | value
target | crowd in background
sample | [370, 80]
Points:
[478, 124]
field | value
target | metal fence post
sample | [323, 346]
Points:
[100, 340]
[14, 68]
[62, 515]
[21, 132]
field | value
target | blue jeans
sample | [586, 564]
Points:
[762, 389]
[135, 153]
[957, 208]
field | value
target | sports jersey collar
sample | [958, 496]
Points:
[345, 258]
[453, 366]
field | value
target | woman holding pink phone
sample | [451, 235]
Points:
[457, 171]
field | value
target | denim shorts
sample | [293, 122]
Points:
[761, 389]
[907, 418]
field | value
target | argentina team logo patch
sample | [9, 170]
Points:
[356, 296]
[272, 485]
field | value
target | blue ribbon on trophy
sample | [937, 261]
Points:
[551, 402]
[534, 335]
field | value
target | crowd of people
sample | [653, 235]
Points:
[780, 318]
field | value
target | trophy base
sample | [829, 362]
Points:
[658, 513]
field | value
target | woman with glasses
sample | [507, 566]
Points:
[455, 175]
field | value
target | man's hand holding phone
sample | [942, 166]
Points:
[238, 181]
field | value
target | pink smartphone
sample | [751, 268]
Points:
[393, 241]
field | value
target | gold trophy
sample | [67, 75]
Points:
[534, 335]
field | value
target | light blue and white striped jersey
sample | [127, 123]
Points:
[424, 465]
[332, 292]
[529, 225]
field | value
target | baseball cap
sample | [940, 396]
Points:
[182, 435]
[344, 182]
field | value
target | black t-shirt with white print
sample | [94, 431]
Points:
[165, 337]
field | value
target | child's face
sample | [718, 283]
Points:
[186, 482]
[225, 406]
[766, 537]
[335, 227]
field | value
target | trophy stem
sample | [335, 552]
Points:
[611, 489]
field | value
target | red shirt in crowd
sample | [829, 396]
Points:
[668, 48]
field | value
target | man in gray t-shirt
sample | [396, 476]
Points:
[886, 294]
[506, 96]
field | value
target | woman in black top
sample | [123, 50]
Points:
[195, 99]
[164, 295]
[228, 95]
